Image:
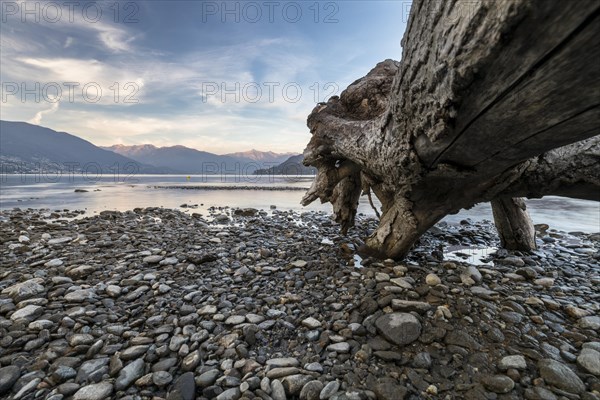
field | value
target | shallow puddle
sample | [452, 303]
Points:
[471, 255]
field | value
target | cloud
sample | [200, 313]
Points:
[37, 118]
[68, 42]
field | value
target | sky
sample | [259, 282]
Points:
[219, 76]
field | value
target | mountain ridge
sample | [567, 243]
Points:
[25, 146]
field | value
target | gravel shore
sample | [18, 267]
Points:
[242, 304]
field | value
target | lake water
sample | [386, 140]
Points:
[125, 193]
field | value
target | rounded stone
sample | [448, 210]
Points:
[589, 360]
[498, 383]
[560, 376]
[97, 391]
[432, 280]
[399, 328]
[161, 378]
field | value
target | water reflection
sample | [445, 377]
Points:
[109, 193]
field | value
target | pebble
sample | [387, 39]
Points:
[277, 390]
[559, 375]
[311, 390]
[311, 323]
[8, 377]
[184, 388]
[513, 362]
[154, 259]
[544, 282]
[591, 322]
[589, 360]
[27, 313]
[55, 262]
[283, 362]
[25, 290]
[432, 280]
[129, 374]
[399, 328]
[329, 390]
[97, 391]
[342, 347]
[498, 383]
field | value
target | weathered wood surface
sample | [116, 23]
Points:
[513, 223]
[484, 93]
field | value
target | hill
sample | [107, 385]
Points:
[29, 148]
[292, 166]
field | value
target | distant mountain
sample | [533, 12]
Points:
[292, 166]
[192, 161]
[180, 158]
[261, 156]
[29, 148]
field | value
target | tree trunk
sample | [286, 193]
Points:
[484, 93]
[513, 223]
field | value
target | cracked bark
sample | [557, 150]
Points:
[484, 106]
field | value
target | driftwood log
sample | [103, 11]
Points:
[492, 101]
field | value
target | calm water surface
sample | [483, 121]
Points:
[125, 193]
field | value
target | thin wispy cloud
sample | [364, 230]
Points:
[37, 118]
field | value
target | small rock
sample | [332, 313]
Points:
[8, 377]
[513, 362]
[512, 260]
[113, 290]
[277, 390]
[155, 259]
[498, 383]
[293, 384]
[207, 309]
[329, 390]
[592, 322]
[432, 280]
[25, 290]
[208, 378]
[589, 360]
[560, 376]
[28, 313]
[576, 312]
[184, 388]
[97, 391]
[230, 394]
[283, 362]
[311, 323]
[409, 305]
[342, 347]
[389, 389]
[80, 295]
[422, 360]
[56, 262]
[399, 328]
[311, 390]
[544, 282]
[81, 339]
[129, 374]
[299, 263]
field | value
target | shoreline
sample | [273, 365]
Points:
[243, 188]
[151, 302]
